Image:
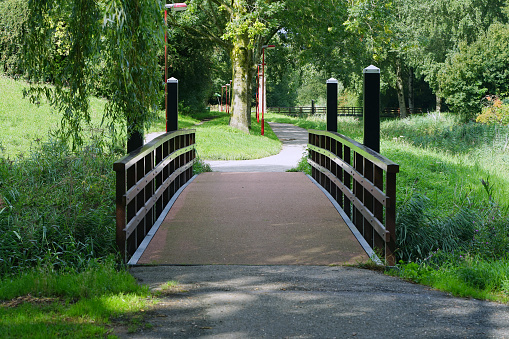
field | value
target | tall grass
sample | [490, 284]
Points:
[56, 208]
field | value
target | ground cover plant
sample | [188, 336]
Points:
[44, 303]
[453, 205]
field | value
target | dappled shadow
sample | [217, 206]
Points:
[312, 302]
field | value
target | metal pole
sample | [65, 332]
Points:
[222, 89]
[332, 105]
[257, 93]
[227, 107]
[263, 91]
[172, 103]
[372, 108]
[166, 66]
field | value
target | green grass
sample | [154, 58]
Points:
[22, 123]
[218, 141]
[42, 303]
[465, 277]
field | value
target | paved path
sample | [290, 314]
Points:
[222, 301]
[253, 219]
[294, 139]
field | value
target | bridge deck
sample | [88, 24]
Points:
[253, 219]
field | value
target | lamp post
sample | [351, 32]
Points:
[227, 107]
[222, 89]
[263, 93]
[178, 7]
[258, 93]
[231, 96]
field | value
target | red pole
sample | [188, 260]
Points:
[222, 87]
[257, 93]
[166, 66]
[227, 108]
[263, 91]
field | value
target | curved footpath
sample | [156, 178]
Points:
[294, 140]
[290, 301]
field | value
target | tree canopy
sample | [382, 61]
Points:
[454, 48]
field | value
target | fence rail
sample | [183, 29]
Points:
[388, 112]
[362, 182]
[146, 181]
[343, 111]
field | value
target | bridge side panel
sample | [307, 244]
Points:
[146, 181]
[340, 164]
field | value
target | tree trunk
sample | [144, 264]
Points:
[400, 90]
[411, 105]
[438, 104]
[243, 72]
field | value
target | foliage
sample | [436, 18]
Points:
[127, 45]
[477, 69]
[419, 233]
[73, 26]
[57, 208]
[494, 111]
[12, 28]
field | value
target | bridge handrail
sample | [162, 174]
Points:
[146, 180]
[363, 183]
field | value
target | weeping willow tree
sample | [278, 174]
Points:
[67, 39]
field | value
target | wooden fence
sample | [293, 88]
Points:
[362, 182]
[146, 181]
[300, 111]
[388, 112]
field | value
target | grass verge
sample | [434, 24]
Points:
[42, 303]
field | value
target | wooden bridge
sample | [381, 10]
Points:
[165, 215]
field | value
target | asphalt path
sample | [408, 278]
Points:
[232, 301]
[294, 140]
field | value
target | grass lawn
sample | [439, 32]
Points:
[22, 123]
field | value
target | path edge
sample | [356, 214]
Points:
[365, 246]
[143, 246]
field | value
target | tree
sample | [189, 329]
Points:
[477, 69]
[123, 33]
[242, 27]
[433, 29]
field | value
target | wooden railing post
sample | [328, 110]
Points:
[172, 102]
[332, 105]
[372, 108]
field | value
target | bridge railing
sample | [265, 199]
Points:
[146, 181]
[362, 182]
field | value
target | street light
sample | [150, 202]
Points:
[178, 7]
[263, 93]
[222, 89]
[231, 96]
[257, 93]
[227, 107]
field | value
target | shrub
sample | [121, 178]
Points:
[495, 111]
[12, 22]
[475, 70]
